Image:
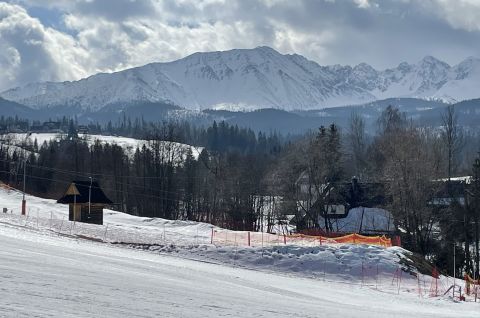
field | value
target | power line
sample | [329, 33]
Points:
[87, 175]
[104, 188]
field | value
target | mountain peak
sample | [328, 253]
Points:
[471, 60]
[253, 79]
[430, 60]
[265, 48]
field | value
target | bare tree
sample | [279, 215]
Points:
[453, 138]
[409, 171]
[357, 142]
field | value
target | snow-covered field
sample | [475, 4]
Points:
[51, 267]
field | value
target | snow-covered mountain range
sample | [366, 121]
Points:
[257, 78]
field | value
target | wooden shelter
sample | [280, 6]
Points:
[86, 201]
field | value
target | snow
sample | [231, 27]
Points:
[465, 179]
[14, 140]
[253, 79]
[371, 220]
[46, 276]
[170, 269]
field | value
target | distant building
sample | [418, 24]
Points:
[449, 192]
[348, 207]
[86, 202]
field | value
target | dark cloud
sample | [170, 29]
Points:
[382, 34]
[108, 35]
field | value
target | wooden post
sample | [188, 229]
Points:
[211, 237]
[248, 236]
[24, 206]
[24, 202]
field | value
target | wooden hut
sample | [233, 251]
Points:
[86, 201]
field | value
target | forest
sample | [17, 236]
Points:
[246, 180]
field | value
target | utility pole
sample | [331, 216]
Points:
[90, 196]
[24, 202]
[75, 203]
[454, 282]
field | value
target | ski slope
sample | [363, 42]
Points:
[48, 276]
[52, 267]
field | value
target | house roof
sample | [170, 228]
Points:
[352, 194]
[78, 192]
[365, 194]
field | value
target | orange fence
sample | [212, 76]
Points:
[361, 239]
[471, 285]
[242, 238]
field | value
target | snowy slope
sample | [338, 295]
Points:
[14, 142]
[40, 278]
[362, 265]
[40, 274]
[253, 79]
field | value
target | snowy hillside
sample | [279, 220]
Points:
[186, 276]
[178, 151]
[255, 78]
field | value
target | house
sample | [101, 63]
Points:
[448, 192]
[349, 207]
[86, 202]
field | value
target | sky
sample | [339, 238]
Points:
[42, 40]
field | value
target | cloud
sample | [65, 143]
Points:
[93, 36]
[460, 14]
[30, 52]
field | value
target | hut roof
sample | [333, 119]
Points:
[78, 192]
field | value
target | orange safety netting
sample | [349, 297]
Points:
[355, 239]
[469, 279]
[257, 238]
